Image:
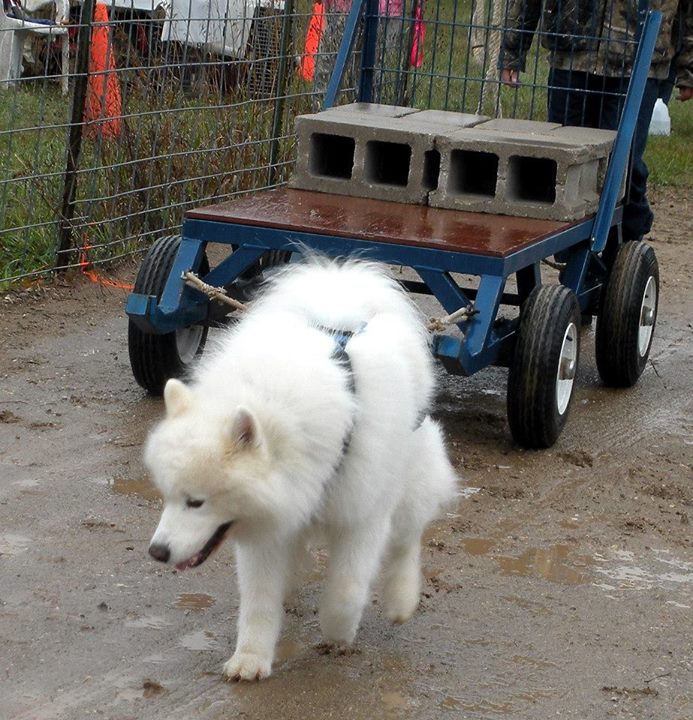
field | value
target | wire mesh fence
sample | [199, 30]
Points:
[116, 118]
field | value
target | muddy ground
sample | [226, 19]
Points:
[560, 586]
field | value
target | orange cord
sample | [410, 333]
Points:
[87, 270]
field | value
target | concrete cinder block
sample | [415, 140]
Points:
[550, 174]
[444, 119]
[374, 110]
[347, 154]
[376, 151]
[453, 160]
[515, 125]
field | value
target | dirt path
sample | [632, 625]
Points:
[561, 585]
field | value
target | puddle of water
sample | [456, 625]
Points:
[153, 622]
[201, 640]
[662, 570]
[393, 701]
[478, 546]
[467, 492]
[12, 544]
[141, 487]
[431, 535]
[287, 648]
[548, 563]
[194, 601]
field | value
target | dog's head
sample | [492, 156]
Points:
[213, 472]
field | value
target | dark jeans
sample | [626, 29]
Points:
[580, 98]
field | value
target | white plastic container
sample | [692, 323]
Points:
[660, 124]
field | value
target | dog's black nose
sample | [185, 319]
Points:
[160, 552]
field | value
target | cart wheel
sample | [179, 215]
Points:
[544, 365]
[155, 358]
[268, 260]
[627, 315]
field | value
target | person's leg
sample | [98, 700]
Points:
[606, 98]
[666, 87]
[567, 99]
[637, 215]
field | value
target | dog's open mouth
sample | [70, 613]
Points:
[210, 546]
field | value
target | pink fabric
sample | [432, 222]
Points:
[392, 8]
[419, 36]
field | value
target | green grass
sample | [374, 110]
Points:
[669, 158]
[33, 150]
[130, 190]
[182, 150]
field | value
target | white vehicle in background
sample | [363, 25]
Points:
[196, 37]
[222, 31]
[222, 27]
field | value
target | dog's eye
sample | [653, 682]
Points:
[194, 503]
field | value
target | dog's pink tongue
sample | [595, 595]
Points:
[190, 562]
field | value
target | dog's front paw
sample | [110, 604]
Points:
[247, 666]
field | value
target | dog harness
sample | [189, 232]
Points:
[340, 354]
[341, 357]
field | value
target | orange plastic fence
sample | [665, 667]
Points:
[103, 108]
[316, 26]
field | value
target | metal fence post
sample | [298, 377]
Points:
[280, 101]
[345, 48]
[370, 39]
[75, 137]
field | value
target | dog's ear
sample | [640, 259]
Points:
[245, 431]
[177, 397]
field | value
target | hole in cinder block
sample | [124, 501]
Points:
[472, 173]
[387, 163]
[431, 169]
[531, 179]
[331, 156]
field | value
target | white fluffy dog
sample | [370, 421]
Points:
[310, 414]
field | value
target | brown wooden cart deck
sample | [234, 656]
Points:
[381, 221]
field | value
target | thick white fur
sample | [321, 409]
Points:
[259, 436]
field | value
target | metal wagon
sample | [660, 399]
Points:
[486, 269]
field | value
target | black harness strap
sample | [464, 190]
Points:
[341, 357]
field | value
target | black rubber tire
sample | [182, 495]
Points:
[268, 260]
[155, 358]
[534, 415]
[620, 360]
